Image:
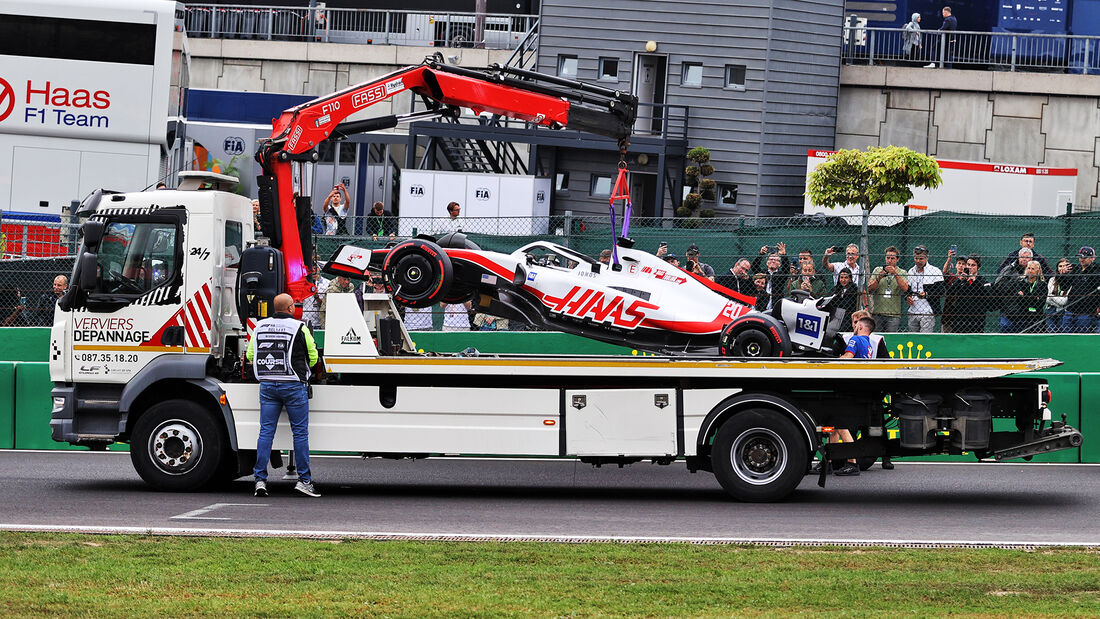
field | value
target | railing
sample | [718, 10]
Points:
[973, 50]
[361, 26]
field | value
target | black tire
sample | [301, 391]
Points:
[751, 343]
[754, 335]
[759, 455]
[177, 445]
[417, 273]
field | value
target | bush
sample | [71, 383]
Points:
[699, 154]
[706, 213]
[693, 200]
[691, 170]
[706, 169]
[707, 184]
[683, 211]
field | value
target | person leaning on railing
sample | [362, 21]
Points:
[1057, 296]
[1084, 300]
[1027, 296]
[972, 293]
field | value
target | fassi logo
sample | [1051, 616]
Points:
[7, 99]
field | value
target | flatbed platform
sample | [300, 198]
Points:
[690, 367]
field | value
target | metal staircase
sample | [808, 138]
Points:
[488, 156]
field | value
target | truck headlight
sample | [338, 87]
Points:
[58, 404]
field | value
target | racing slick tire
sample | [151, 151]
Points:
[759, 455]
[754, 335]
[177, 445]
[417, 273]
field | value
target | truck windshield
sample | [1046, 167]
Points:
[135, 258]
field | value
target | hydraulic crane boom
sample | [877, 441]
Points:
[514, 93]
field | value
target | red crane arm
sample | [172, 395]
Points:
[513, 93]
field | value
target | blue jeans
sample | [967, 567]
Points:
[1081, 323]
[273, 396]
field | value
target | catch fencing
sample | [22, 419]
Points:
[996, 298]
[1005, 51]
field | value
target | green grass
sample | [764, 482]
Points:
[54, 574]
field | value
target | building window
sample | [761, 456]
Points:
[601, 187]
[609, 69]
[561, 182]
[727, 195]
[735, 76]
[567, 66]
[692, 74]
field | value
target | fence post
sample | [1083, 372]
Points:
[1012, 67]
[870, 47]
[26, 238]
[270, 22]
[943, 47]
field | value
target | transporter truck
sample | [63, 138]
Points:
[147, 344]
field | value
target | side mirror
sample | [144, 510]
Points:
[88, 268]
[93, 232]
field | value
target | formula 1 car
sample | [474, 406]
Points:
[639, 301]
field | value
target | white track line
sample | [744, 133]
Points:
[534, 537]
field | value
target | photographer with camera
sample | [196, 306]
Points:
[773, 263]
[887, 286]
[695, 264]
[807, 281]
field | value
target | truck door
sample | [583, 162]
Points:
[129, 316]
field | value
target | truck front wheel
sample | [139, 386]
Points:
[759, 455]
[176, 445]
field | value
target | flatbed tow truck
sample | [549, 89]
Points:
[147, 345]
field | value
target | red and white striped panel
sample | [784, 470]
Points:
[195, 318]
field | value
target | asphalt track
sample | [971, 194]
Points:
[915, 504]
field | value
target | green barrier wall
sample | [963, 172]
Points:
[7, 405]
[24, 344]
[33, 404]
[1090, 416]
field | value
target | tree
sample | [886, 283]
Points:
[702, 188]
[870, 178]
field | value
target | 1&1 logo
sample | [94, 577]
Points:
[7, 99]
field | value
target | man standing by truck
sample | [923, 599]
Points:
[282, 351]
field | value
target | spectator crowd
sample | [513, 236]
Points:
[1024, 293]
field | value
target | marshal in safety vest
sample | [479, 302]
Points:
[282, 349]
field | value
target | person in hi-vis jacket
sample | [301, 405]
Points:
[282, 352]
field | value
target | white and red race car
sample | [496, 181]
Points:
[641, 301]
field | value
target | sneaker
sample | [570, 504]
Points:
[261, 488]
[306, 488]
[887, 464]
[930, 65]
[849, 469]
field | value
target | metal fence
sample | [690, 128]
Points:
[1005, 51]
[360, 26]
[996, 297]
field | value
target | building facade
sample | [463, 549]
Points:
[755, 82]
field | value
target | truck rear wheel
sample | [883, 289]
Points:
[759, 455]
[417, 273]
[176, 445]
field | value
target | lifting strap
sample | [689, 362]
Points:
[621, 191]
